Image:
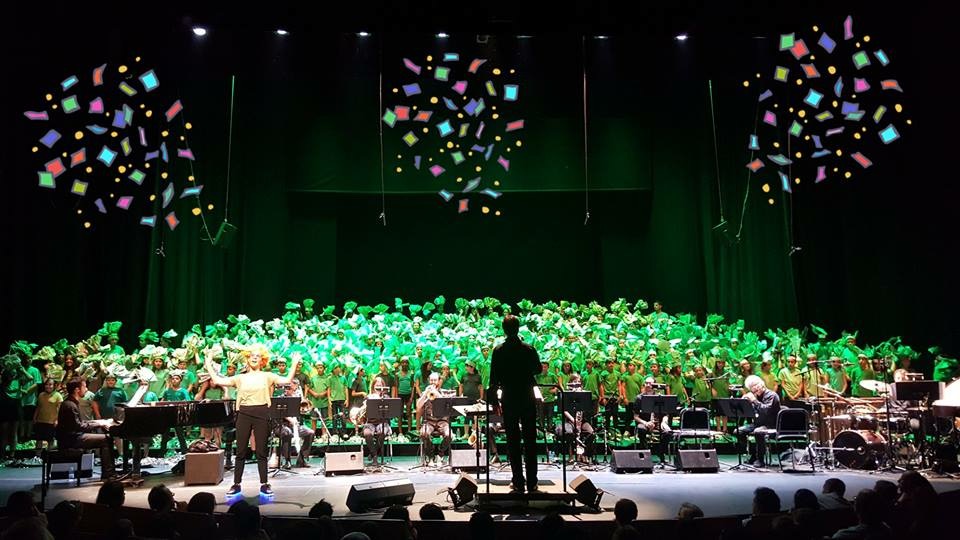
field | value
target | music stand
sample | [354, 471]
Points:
[280, 408]
[659, 406]
[737, 408]
[385, 410]
[924, 392]
[572, 402]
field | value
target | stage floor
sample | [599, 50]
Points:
[658, 495]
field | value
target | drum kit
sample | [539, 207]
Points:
[868, 433]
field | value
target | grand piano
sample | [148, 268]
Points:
[139, 423]
[949, 405]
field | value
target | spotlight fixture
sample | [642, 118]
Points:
[681, 37]
[442, 35]
[601, 37]
[199, 31]
[282, 32]
[363, 34]
[524, 37]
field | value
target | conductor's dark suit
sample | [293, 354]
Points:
[512, 369]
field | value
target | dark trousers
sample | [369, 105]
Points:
[286, 439]
[521, 442]
[105, 444]
[252, 419]
[337, 422]
[757, 451]
[181, 438]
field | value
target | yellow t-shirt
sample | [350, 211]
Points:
[48, 407]
[254, 388]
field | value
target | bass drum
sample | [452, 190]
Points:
[858, 449]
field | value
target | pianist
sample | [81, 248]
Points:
[254, 388]
[72, 432]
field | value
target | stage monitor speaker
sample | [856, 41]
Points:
[225, 235]
[466, 460]
[343, 463]
[631, 461]
[698, 461]
[463, 491]
[587, 493]
[363, 497]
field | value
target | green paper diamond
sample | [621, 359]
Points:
[70, 104]
[46, 180]
[796, 128]
[441, 73]
[79, 188]
[389, 118]
[457, 158]
[410, 138]
[781, 73]
[786, 41]
[137, 176]
[861, 59]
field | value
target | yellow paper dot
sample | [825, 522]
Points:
[146, 165]
[799, 82]
[459, 115]
[55, 106]
[909, 122]
[429, 68]
[459, 179]
[790, 109]
[866, 39]
[153, 198]
[429, 58]
[78, 135]
[835, 169]
[495, 116]
[496, 71]
[898, 107]
[470, 154]
[425, 130]
[143, 106]
[776, 105]
[485, 210]
[799, 155]
[494, 107]
[449, 144]
[796, 180]
[414, 107]
[394, 90]
[89, 170]
[758, 75]
[434, 100]
[195, 211]
[478, 168]
[806, 138]
[121, 169]
[496, 182]
[853, 96]
[847, 174]
[399, 156]
[399, 169]
[839, 152]
[770, 202]
[497, 213]
[79, 211]
[863, 129]
[164, 175]
[497, 138]
[86, 224]
[164, 133]
[113, 134]
[801, 113]
[107, 114]
[812, 57]
[48, 97]
[509, 149]
[112, 195]
[190, 178]
[519, 143]
[137, 59]
[182, 138]
[210, 206]
[766, 188]
[441, 150]
[746, 84]
[816, 28]
[834, 103]
[776, 145]
[858, 44]
[117, 180]
[34, 149]
[189, 125]
[856, 135]
[512, 71]
[832, 70]
[64, 154]
[122, 69]
[148, 114]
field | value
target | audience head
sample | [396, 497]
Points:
[20, 505]
[202, 502]
[915, 486]
[835, 486]
[247, 516]
[330, 530]
[160, 499]
[804, 498]
[689, 511]
[431, 511]
[481, 526]
[887, 491]
[397, 512]
[322, 508]
[511, 326]
[626, 533]
[625, 512]
[551, 525]
[765, 501]
[122, 529]
[63, 518]
[355, 535]
[369, 528]
[869, 507]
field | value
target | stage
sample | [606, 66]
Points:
[657, 495]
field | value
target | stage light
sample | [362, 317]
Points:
[363, 34]
[443, 35]
[681, 37]
[199, 31]
[282, 32]
[600, 37]
[524, 37]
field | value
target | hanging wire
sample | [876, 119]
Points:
[383, 192]
[716, 153]
[203, 216]
[226, 202]
[746, 189]
[586, 162]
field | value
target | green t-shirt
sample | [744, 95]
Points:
[180, 394]
[837, 378]
[591, 383]
[769, 379]
[701, 390]
[338, 388]
[611, 383]
[858, 374]
[632, 385]
[721, 385]
[677, 388]
[35, 380]
[405, 383]
[214, 392]
[107, 399]
[546, 378]
[450, 383]
[790, 381]
[320, 384]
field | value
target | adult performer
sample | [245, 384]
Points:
[512, 369]
[254, 388]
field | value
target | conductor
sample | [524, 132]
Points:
[512, 369]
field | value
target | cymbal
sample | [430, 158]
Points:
[875, 386]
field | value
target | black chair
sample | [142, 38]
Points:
[792, 429]
[694, 424]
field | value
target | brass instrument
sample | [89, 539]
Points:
[578, 424]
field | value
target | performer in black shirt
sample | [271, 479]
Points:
[512, 369]
[766, 404]
[73, 432]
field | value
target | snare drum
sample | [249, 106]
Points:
[858, 449]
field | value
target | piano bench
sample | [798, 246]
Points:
[50, 457]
